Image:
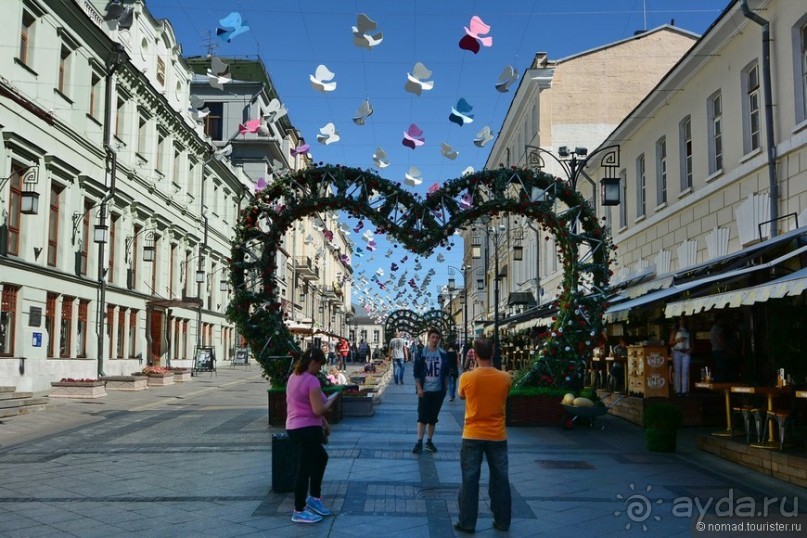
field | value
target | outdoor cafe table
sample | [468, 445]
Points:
[801, 394]
[727, 389]
[770, 392]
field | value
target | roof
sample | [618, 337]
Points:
[521, 297]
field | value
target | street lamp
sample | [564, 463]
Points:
[574, 161]
[498, 232]
[451, 286]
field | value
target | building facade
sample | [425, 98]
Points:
[97, 112]
[573, 102]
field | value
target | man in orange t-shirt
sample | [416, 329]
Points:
[484, 390]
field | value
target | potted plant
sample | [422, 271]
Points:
[357, 403]
[68, 387]
[159, 376]
[661, 423]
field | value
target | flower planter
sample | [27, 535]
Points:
[161, 380]
[78, 389]
[277, 409]
[534, 410]
[361, 406]
[126, 382]
[182, 377]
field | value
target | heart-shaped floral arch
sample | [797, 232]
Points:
[420, 225]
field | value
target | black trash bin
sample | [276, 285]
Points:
[284, 463]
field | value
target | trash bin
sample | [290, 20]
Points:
[284, 463]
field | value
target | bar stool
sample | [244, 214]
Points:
[749, 414]
[782, 419]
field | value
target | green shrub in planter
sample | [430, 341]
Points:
[661, 422]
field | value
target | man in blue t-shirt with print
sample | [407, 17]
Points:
[431, 380]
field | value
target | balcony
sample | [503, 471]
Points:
[331, 292]
[304, 268]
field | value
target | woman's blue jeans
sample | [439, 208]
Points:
[498, 488]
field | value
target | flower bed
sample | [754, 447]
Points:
[80, 388]
[126, 382]
[277, 408]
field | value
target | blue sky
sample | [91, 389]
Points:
[294, 36]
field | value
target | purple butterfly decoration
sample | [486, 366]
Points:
[260, 184]
[413, 137]
[359, 226]
[466, 201]
[393, 267]
[300, 150]
[328, 234]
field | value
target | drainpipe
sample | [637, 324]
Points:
[766, 85]
[118, 58]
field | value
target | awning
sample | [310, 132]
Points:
[619, 312]
[299, 328]
[520, 297]
[642, 288]
[790, 285]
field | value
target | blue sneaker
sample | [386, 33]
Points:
[315, 505]
[305, 517]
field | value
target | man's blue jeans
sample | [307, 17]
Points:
[398, 367]
[498, 488]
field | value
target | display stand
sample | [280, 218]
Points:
[204, 360]
[241, 357]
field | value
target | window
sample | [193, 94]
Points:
[176, 169]
[155, 265]
[113, 229]
[132, 333]
[661, 171]
[142, 129]
[176, 330]
[81, 331]
[375, 337]
[95, 96]
[85, 237]
[64, 69]
[715, 115]
[133, 251]
[26, 38]
[66, 332]
[799, 40]
[685, 140]
[161, 71]
[213, 121]
[121, 332]
[110, 322]
[641, 186]
[750, 84]
[14, 201]
[53, 226]
[171, 270]
[8, 320]
[185, 339]
[158, 165]
[120, 114]
[623, 207]
[50, 323]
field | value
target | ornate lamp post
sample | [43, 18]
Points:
[451, 286]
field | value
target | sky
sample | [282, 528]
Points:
[294, 37]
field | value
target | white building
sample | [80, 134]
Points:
[100, 110]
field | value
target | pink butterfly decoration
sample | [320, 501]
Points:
[251, 126]
[466, 201]
[260, 184]
[473, 38]
[300, 150]
[413, 137]
[434, 188]
[328, 234]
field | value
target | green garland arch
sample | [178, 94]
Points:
[419, 225]
[416, 324]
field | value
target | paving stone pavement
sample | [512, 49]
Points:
[194, 459]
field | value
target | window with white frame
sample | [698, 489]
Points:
[661, 171]
[65, 63]
[25, 52]
[641, 186]
[120, 115]
[751, 94]
[685, 143]
[715, 116]
[799, 41]
[94, 109]
[623, 207]
[161, 71]
[160, 157]
[142, 135]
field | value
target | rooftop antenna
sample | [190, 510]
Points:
[644, 9]
[210, 42]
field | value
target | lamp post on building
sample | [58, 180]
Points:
[574, 161]
[498, 234]
[451, 286]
